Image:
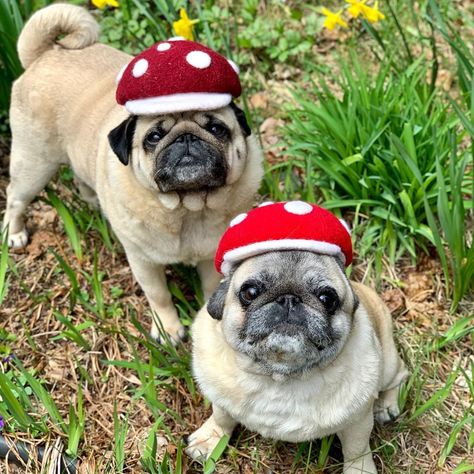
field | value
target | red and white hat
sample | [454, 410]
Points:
[294, 225]
[177, 75]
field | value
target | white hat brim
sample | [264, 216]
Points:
[178, 103]
[251, 250]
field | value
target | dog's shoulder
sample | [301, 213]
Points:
[376, 309]
[214, 363]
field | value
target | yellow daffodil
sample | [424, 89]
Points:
[103, 3]
[332, 19]
[356, 7]
[184, 26]
[373, 14]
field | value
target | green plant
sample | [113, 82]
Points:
[3, 266]
[68, 222]
[120, 436]
[449, 228]
[344, 142]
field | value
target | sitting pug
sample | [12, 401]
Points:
[287, 345]
[168, 169]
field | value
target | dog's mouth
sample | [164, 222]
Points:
[188, 179]
[190, 165]
[286, 332]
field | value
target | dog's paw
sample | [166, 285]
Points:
[175, 333]
[366, 466]
[202, 442]
[18, 240]
[386, 411]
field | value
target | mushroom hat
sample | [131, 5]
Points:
[293, 225]
[177, 75]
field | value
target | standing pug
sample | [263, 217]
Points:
[168, 170]
[287, 346]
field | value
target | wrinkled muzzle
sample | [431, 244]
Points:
[190, 164]
[287, 315]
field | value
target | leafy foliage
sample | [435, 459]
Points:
[347, 140]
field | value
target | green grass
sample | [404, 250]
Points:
[383, 145]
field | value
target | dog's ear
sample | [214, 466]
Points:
[215, 305]
[121, 139]
[242, 119]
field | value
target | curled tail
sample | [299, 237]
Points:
[42, 30]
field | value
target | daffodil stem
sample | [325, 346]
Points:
[400, 30]
[373, 32]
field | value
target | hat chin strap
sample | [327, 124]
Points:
[251, 250]
[178, 103]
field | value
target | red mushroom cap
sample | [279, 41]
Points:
[177, 75]
[294, 225]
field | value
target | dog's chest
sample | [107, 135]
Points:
[305, 408]
[188, 239]
[303, 411]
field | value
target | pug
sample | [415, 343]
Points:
[287, 346]
[168, 184]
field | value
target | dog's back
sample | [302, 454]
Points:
[62, 73]
[58, 105]
[66, 90]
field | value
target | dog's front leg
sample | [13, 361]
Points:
[355, 445]
[203, 441]
[152, 279]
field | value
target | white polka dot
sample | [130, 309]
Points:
[198, 59]
[266, 203]
[346, 225]
[140, 68]
[234, 66]
[176, 38]
[163, 47]
[298, 207]
[238, 219]
[120, 74]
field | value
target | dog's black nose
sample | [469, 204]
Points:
[186, 138]
[288, 301]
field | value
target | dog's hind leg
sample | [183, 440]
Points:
[29, 174]
[386, 407]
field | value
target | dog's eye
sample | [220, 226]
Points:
[218, 130]
[153, 138]
[329, 299]
[248, 293]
